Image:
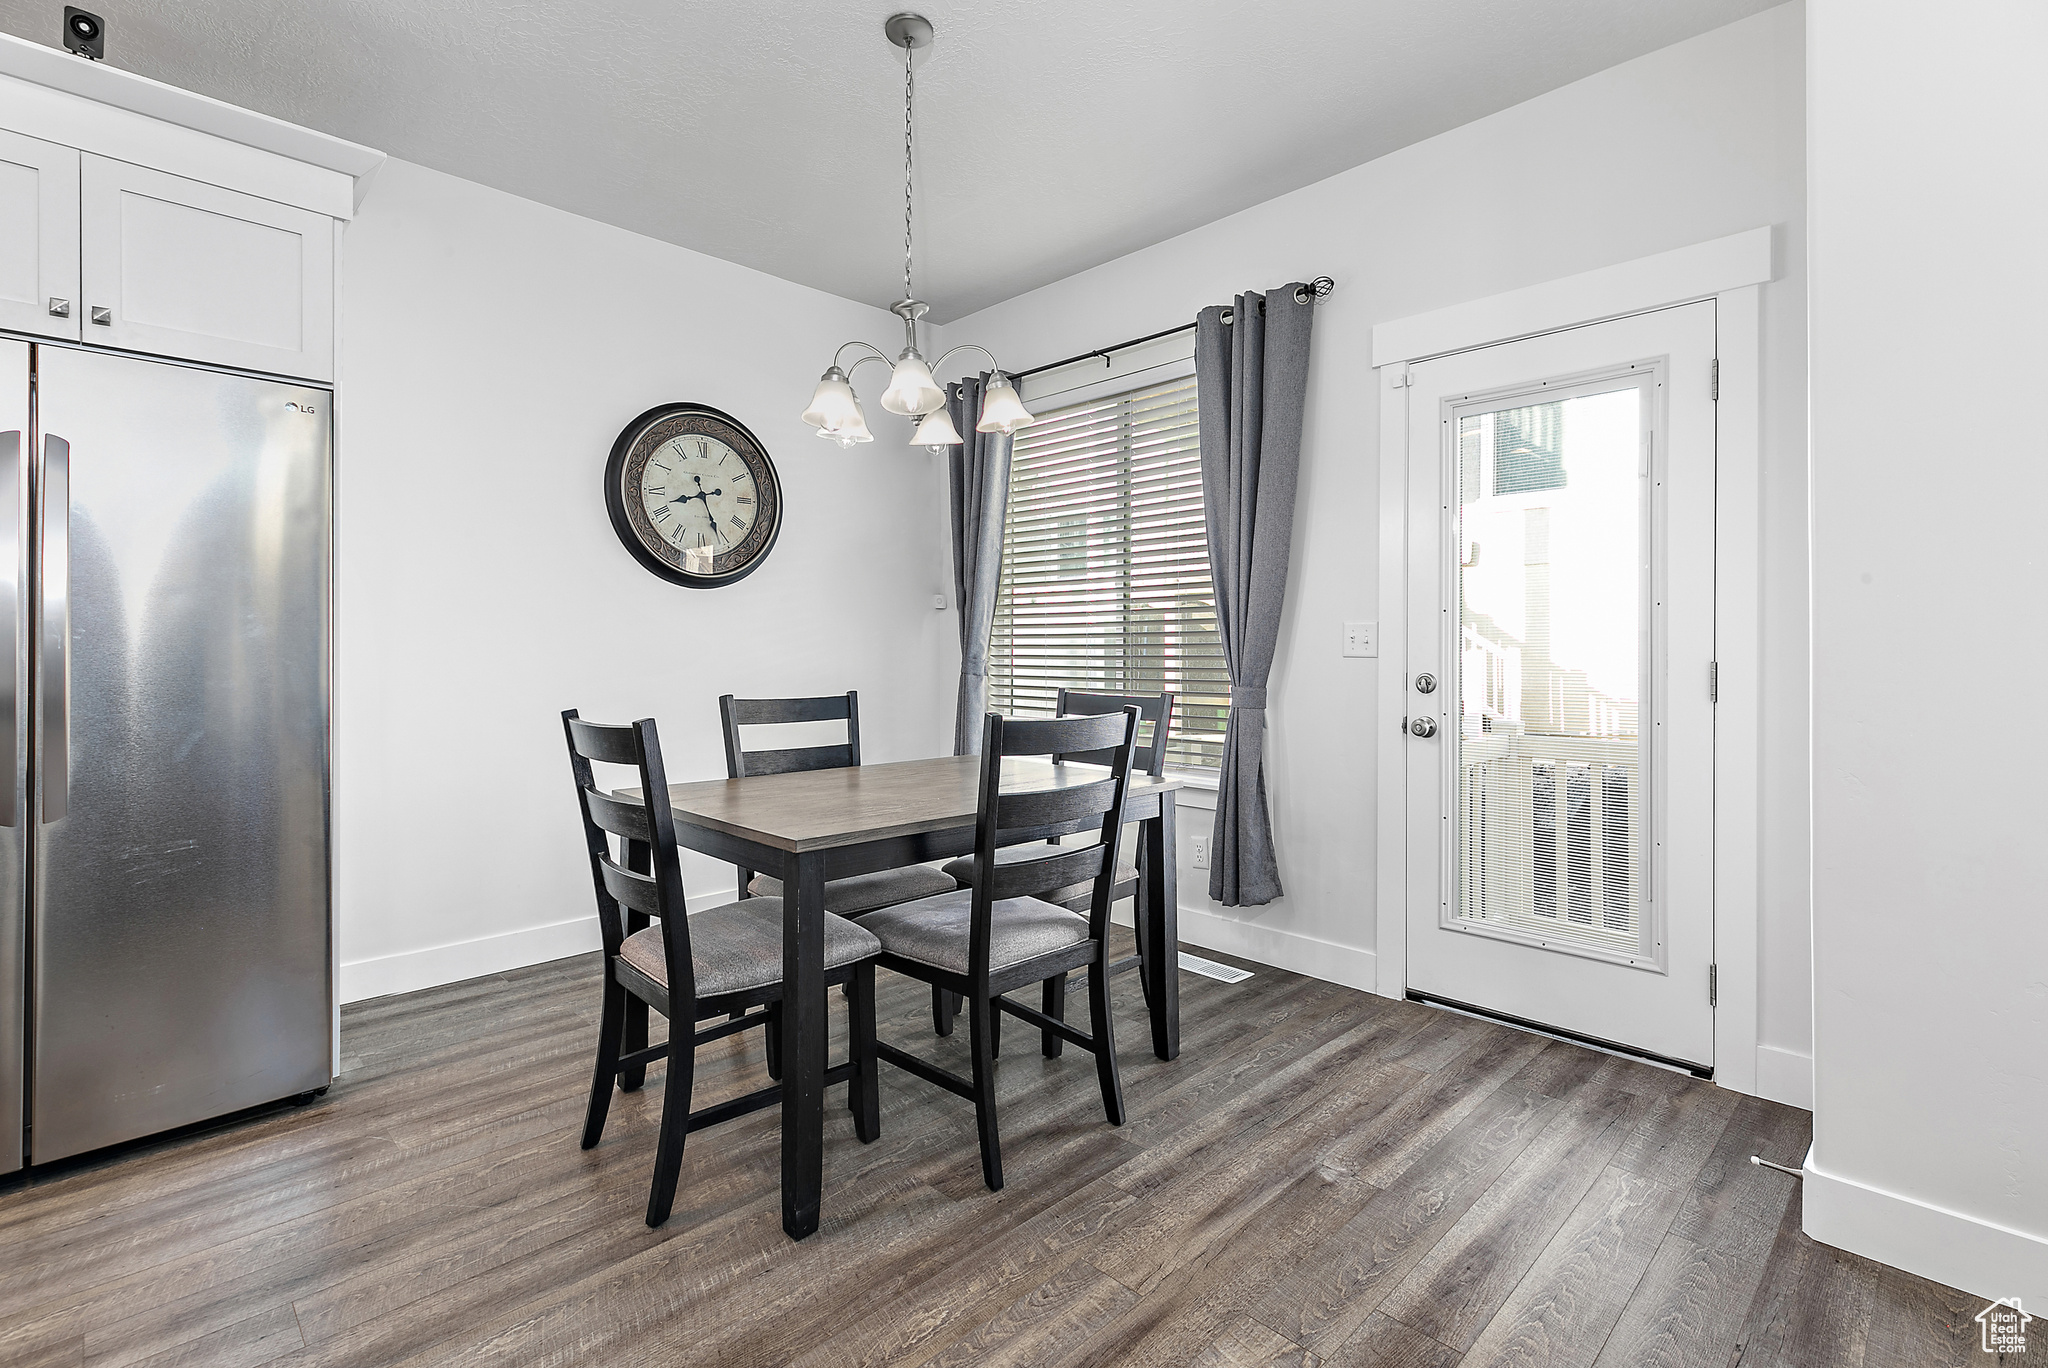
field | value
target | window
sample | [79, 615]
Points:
[1106, 566]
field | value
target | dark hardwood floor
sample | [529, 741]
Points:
[1324, 1177]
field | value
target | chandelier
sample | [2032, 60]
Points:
[835, 410]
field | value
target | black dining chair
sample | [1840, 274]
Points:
[850, 897]
[1001, 934]
[1148, 758]
[725, 961]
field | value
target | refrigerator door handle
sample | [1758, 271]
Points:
[54, 767]
[10, 626]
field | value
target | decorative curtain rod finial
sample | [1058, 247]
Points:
[1318, 288]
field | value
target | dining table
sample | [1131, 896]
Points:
[812, 826]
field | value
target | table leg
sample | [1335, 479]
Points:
[804, 1032]
[634, 1035]
[1161, 950]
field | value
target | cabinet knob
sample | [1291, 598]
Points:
[60, 308]
[103, 317]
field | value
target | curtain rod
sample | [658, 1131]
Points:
[1318, 288]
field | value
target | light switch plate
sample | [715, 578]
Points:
[1362, 639]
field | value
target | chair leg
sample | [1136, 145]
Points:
[1053, 1002]
[945, 1006]
[675, 1124]
[863, 1094]
[979, 1009]
[640, 861]
[1138, 929]
[610, 1027]
[632, 1040]
[1104, 1030]
[771, 1037]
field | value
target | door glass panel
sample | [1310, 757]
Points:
[1550, 537]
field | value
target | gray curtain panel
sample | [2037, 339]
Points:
[1251, 378]
[981, 496]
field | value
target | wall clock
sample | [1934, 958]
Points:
[693, 495]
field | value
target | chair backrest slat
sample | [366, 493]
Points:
[741, 763]
[1069, 865]
[1048, 807]
[1062, 735]
[618, 816]
[1052, 832]
[1150, 756]
[608, 745]
[755, 712]
[649, 832]
[795, 759]
[636, 891]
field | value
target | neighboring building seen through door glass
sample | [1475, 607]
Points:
[1551, 585]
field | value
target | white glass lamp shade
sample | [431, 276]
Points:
[832, 403]
[936, 430]
[1001, 409]
[852, 429]
[912, 391]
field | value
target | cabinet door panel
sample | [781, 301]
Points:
[38, 237]
[192, 270]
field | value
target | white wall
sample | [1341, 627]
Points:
[1693, 142]
[493, 350]
[1929, 131]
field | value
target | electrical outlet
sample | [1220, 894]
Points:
[1201, 852]
[1362, 639]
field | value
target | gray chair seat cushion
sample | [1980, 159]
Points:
[866, 892]
[739, 947]
[935, 931]
[962, 869]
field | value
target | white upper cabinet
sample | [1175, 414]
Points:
[38, 237]
[166, 223]
[177, 267]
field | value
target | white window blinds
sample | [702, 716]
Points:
[1105, 580]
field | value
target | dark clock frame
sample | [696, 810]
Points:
[647, 434]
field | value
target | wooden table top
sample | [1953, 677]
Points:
[820, 809]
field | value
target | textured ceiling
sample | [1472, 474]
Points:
[1053, 135]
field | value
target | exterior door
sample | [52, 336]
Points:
[1559, 657]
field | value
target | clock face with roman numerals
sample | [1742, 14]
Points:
[693, 495]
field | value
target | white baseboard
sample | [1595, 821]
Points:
[1963, 1252]
[1784, 1076]
[1290, 950]
[411, 970]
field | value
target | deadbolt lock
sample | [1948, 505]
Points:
[1424, 727]
[1425, 683]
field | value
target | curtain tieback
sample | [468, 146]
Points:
[1245, 696]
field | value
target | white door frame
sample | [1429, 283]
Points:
[1729, 270]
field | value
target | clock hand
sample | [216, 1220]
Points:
[712, 518]
[706, 495]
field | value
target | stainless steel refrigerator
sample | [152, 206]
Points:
[164, 608]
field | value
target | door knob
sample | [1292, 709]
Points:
[1425, 683]
[1424, 727]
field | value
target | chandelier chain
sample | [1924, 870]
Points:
[909, 97]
